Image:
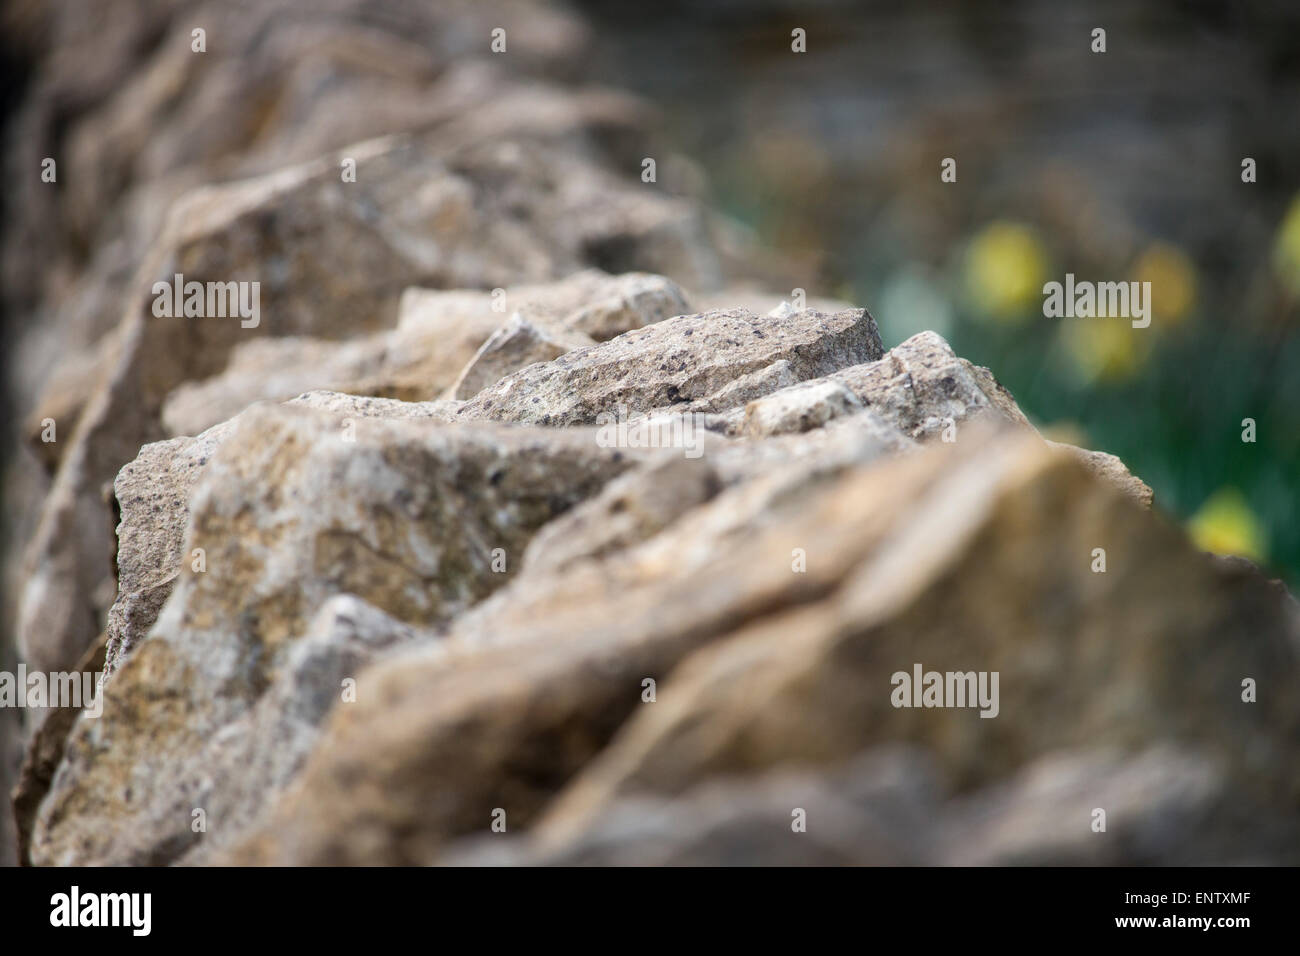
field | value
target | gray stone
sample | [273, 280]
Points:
[677, 361]
[798, 409]
[516, 344]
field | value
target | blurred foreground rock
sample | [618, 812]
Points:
[960, 560]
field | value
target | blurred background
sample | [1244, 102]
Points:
[1125, 165]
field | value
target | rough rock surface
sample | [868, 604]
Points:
[681, 360]
[516, 344]
[798, 408]
[599, 306]
[527, 582]
[297, 505]
[499, 171]
[332, 259]
[808, 556]
[430, 351]
[152, 495]
[761, 667]
[892, 611]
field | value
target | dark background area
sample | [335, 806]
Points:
[14, 73]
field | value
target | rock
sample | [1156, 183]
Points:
[738, 392]
[1158, 803]
[577, 312]
[318, 674]
[472, 102]
[925, 390]
[920, 388]
[551, 669]
[44, 753]
[486, 215]
[890, 806]
[370, 605]
[1113, 470]
[345, 407]
[62, 400]
[405, 368]
[76, 62]
[128, 110]
[438, 334]
[591, 304]
[676, 361]
[630, 509]
[646, 501]
[879, 810]
[152, 497]
[509, 348]
[122, 104]
[271, 370]
[1131, 677]
[798, 408]
[419, 520]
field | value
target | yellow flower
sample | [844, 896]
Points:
[1105, 349]
[1224, 524]
[1005, 269]
[1286, 248]
[1173, 282]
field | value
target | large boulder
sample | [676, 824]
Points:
[418, 519]
[773, 616]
